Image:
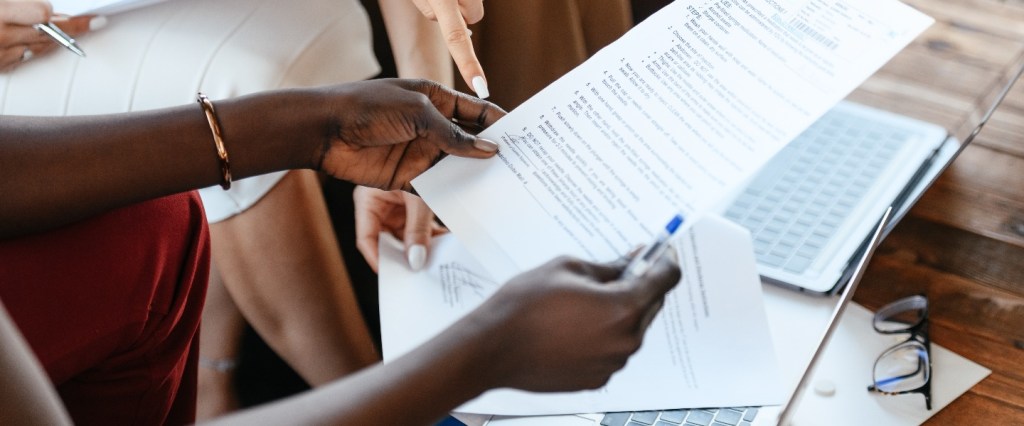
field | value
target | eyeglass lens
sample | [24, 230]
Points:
[902, 368]
[902, 315]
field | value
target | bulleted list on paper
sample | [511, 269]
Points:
[669, 118]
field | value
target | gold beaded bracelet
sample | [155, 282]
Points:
[218, 140]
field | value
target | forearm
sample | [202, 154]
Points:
[416, 43]
[418, 388]
[54, 171]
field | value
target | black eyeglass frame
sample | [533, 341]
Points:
[918, 333]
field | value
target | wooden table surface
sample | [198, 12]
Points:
[962, 245]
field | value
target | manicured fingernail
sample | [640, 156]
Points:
[417, 257]
[27, 54]
[97, 22]
[480, 87]
[469, 32]
[485, 145]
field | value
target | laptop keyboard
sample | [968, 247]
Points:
[740, 416]
[798, 201]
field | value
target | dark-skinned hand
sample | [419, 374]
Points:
[386, 132]
[545, 321]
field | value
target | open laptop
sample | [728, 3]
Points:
[809, 208]
[849, 261]
[739, 416]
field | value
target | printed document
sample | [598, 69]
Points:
[709, 346]
[668, 119]
[100, 7]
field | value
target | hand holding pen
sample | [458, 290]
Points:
[60, 37]
[650, 255]
[20, 41]
[653, 251]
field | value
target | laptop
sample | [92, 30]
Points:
[809, 209]
[733, 416]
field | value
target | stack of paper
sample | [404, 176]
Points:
[670, 118]
[98, 7]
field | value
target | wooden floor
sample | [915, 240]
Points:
[962, 245]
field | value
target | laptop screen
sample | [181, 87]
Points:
[987, 106]
[844, 299]
[949, 76]
[962, 135]
[810, 208]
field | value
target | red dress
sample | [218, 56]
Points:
[111, 307]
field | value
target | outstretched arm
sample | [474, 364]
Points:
[380, 133]
[416, 43]
[531, 335]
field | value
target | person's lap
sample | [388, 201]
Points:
[162, 55]
[111, 308]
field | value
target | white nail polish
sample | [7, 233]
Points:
[480, 87]
[27, 54]
[417, 257]
[97, 22]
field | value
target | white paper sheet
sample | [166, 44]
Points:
[797, 320]
[667, 119]
[711, 334]
[100, 7]
[847, 364]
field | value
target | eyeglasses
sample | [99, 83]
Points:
[906, 367]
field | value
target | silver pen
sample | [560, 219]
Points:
[650, 254]
[60, 37]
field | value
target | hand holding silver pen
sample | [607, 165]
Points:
[29, 29]
[60, 37]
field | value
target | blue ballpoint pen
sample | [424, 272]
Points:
[650, 254]
[60, 37]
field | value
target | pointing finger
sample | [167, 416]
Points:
[460, 45]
